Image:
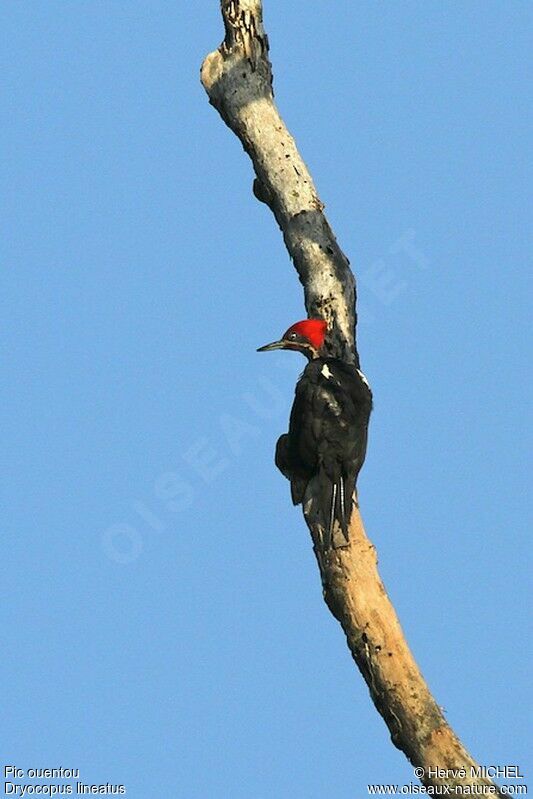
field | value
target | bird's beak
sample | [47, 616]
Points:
[276, 345]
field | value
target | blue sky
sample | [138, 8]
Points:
[162, 613]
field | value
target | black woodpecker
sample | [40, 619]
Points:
[328, 427]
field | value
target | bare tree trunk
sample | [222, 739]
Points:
[238, 80]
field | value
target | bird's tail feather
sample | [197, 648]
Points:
[336, 507]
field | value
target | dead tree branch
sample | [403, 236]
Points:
[238, 80]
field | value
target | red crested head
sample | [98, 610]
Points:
[306, 337]
[314, 330]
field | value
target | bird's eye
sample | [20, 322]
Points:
[293, 336]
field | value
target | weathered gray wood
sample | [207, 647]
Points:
[238, 80]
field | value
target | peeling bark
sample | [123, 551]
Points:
[238, 80]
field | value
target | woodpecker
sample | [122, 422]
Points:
[328, 427]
